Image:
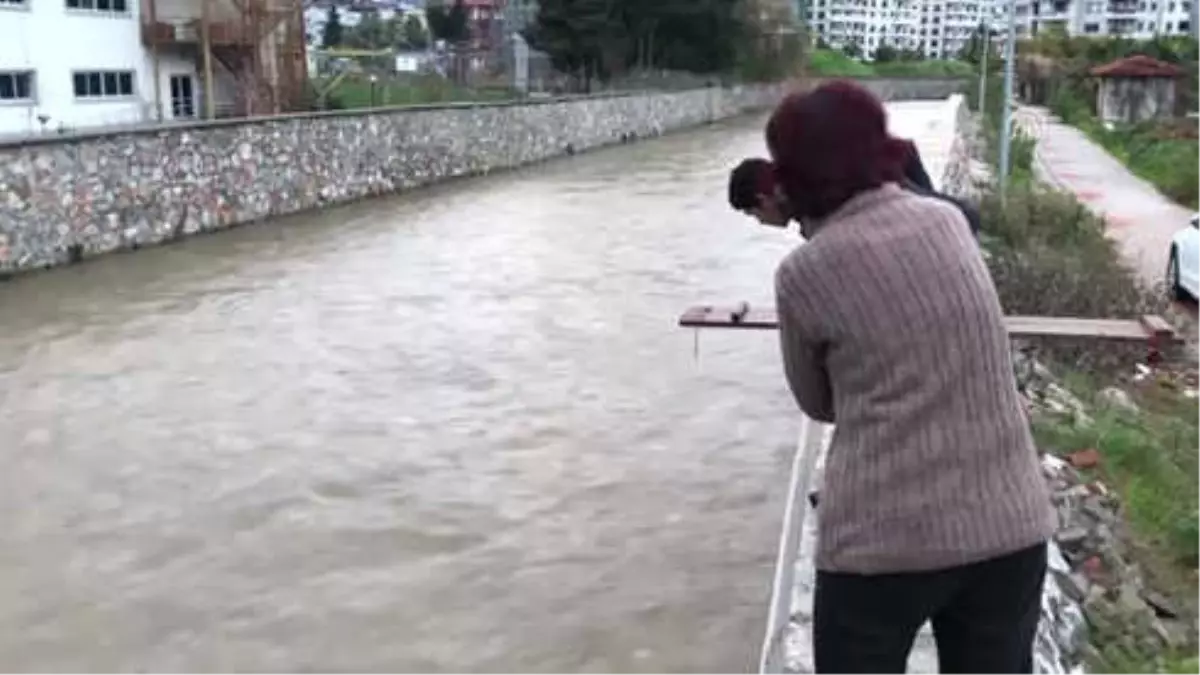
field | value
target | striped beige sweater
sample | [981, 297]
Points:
[891, 328]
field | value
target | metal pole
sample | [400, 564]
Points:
[986, 36]
[1009, 66]
[210, 101]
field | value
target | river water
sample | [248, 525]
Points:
[455, 430]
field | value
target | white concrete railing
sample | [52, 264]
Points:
[812, 445]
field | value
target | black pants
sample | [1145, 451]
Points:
[984, 616]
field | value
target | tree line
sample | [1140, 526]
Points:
[601, 38]
[447, 22]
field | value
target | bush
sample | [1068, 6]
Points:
[1049, 257]
[1155, 153]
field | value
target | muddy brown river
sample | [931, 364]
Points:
[456, 430]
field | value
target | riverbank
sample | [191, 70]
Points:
[1128, 505]
[66, 198]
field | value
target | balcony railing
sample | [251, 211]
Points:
[188, 32]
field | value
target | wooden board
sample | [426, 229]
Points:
[1148, 329]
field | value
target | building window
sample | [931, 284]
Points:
[13, 3]
[114, 6]
[1091, 28]
[16, 87]
[104, 84]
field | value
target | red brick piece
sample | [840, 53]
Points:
[1084, 459]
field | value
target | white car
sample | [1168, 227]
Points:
[1183, 267]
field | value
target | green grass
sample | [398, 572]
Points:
[354, 93]
[834, 63]
[1118, 658]
[1150, 457]
[1167, 163]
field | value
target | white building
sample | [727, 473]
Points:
[1139, 19]
[937, 28]
[70, 64]
[78, 64]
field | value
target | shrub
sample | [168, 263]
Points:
[1049, 257]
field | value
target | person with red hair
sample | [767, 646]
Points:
[933, 506]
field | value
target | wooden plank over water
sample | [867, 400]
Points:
[1152, 329]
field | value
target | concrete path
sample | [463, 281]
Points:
[1140, 220]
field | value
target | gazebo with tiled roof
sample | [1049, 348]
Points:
[1136, 89]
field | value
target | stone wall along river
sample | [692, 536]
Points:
[62, 199]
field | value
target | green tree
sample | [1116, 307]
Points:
[885, 53]
[414, 34]
[372, 32]
[332, 35]
[702, 36]
[602, 37]
[449, 24]
[578, 35]
[853, 49]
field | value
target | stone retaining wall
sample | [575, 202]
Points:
[956, 176]
[64, 198]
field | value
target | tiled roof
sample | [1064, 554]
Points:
[1138, 65]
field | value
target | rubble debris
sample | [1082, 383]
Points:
[1091, 568]
[1096, 599]
[1118, 398]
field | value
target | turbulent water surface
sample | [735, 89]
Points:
[456, 430]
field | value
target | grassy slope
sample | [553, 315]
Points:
[833, 63]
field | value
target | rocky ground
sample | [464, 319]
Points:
[1106, 605]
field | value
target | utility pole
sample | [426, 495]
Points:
[985, 35]
[1010, 58]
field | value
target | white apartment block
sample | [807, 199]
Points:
[1139, 19]
[74, 64]
[937, 28]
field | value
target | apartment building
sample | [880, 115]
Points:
[79, 64]
[67, 64]
[937, 28]
[1139, 19]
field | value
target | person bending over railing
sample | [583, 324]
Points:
[754, 191]
[933, 506]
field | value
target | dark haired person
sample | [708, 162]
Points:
[917, 180]
[752, 190]
[933, 506]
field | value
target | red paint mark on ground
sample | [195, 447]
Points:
[1070, 175]
[1088, 195]
[1118, 222]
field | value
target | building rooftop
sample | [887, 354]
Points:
[1138, 65]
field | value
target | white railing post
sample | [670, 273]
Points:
[808, 452]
